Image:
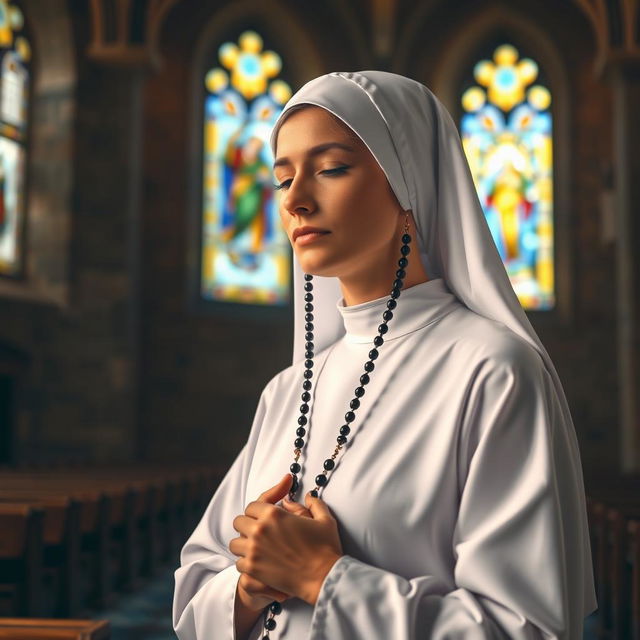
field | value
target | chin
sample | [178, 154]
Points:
[319, 267]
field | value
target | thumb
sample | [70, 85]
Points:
[278, 491]
[295, 508]
[319, 509]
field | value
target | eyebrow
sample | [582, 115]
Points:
[317, 150]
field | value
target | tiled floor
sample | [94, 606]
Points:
[147, 615]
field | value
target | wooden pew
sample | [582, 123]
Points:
[612, 503]
[620, 569]
[21, 553]
[128, 520]
[44, 629]
[633, 532]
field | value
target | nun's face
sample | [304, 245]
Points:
[330, 181]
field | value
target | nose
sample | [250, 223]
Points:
[297, 199]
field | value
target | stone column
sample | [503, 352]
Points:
[624, 77]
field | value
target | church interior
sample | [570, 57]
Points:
[145, 287]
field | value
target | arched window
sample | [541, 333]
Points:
[245, 253]
[506, 131]
[15, 56]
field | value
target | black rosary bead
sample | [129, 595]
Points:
[301, 432]
[403, 262]
[308, 374]
[395, 293]
[308, 297]
[406, 238]
[359, 392]
[308, 326]
[378, 341]
[308, 317]
[355, 403]
[295, 468]
[341, 439]
[397, 284]
[270, 624]
[345, 430]
[329, 464]
[405, 249]
[308, 286]
[304, 408]
[275, 607]
[308, 346]
[308, 276]
[349, 416]
[401, 273]
[321, 480]
[306, 396]
[308, 336]
[306, 385]
[298, 443]
[369, 366]
[392, 304]
[387, 315]
[302, 420]
[308, 307]
[373, 354]
[308, 354]
[308, 363]
[313, 493]
[364, 379]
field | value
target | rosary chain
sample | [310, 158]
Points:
[321, 480]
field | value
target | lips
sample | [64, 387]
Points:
[302, 231]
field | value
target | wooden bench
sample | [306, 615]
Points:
[21, 554]
[613, 506]
[44, 629]
[103, 529]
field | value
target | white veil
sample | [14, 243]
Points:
[415, 141]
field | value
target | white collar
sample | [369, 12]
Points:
[417, 307]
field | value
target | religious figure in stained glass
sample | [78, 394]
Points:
[245, 251]
[15, 56]
[506, 133]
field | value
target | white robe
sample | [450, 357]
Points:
[456, 509]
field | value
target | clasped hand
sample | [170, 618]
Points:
[284, 551]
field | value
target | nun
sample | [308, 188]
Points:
[415, 473]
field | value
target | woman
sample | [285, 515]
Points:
[451, 503]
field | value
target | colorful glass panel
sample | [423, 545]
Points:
[246, 255]
[15, 56]
[506, 132]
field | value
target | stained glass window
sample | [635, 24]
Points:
[15, 55]
[246, 254]
[506, 132]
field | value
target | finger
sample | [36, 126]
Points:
[243, 524]
[318, 508]
[238, 546]
[257, 509]
[278, 491]
[296, 508]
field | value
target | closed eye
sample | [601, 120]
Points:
[330, 172]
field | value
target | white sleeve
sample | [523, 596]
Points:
[205, 582]
[519, 568]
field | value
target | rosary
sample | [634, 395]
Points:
[321, 480]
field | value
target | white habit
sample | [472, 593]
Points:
[455, 495]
